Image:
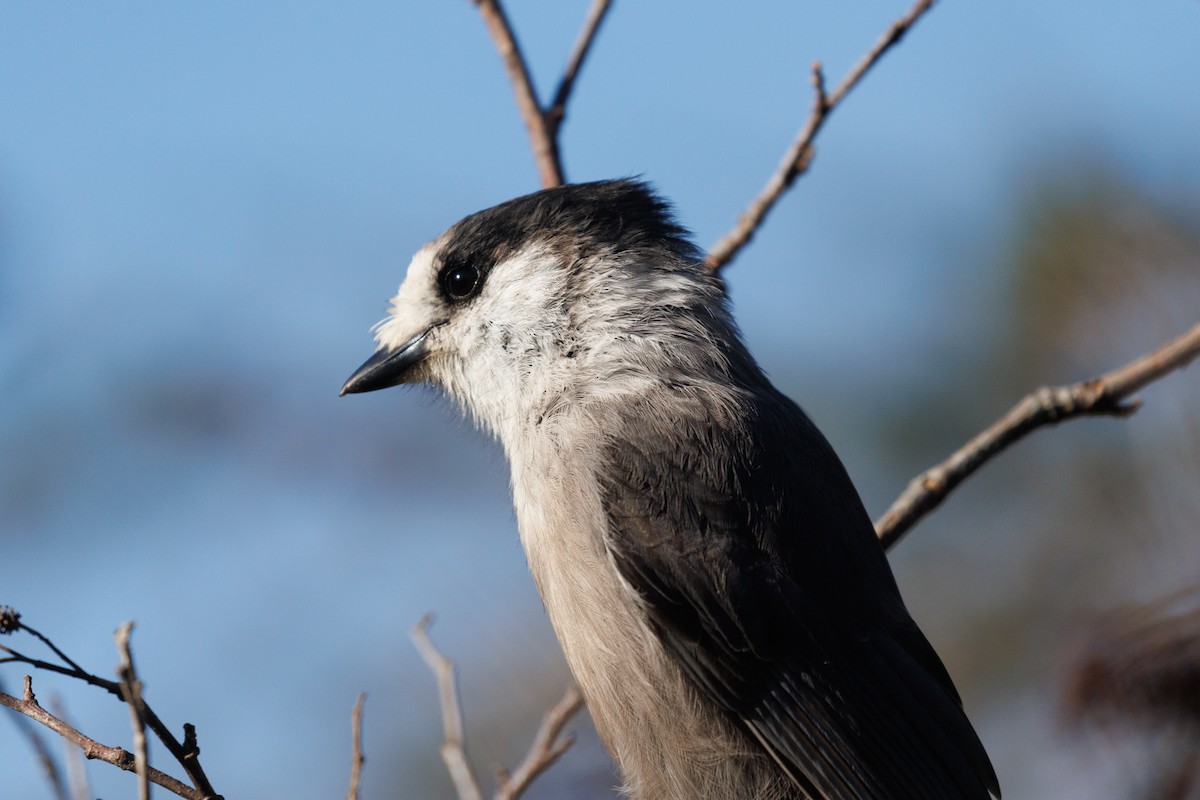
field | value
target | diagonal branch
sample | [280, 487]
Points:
[587, 35]
[49, 765]
[799, 155]
[1107, 395]
[91, 748]
[544, 143]
[543, 123]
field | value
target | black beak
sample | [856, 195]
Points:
[387, 367]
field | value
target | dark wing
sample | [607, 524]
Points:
[762, 575]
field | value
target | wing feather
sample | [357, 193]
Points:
[761, 574]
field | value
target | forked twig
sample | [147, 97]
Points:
[453, 749]
[547, 746]
[799, 155]
[1107, 395]
[543, 122]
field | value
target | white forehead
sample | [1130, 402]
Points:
[423, 265]
[412, 304]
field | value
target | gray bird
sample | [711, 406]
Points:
[707, 564]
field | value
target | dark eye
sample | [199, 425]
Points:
[460, 282]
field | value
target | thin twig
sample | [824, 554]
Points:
[131, 690]
[357, 759]
[544, 143]
[46, 641]
[453, 749]
[587, 35]
[1104, 396]
[92, 749]
[800, 154]
[547, 746]
[112, 687]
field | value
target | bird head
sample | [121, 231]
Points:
[548, 299]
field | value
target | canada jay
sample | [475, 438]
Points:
[708, 567]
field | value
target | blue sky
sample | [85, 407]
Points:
[204, 207]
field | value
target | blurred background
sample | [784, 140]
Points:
[204, 208]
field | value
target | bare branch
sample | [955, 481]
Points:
[546, 748]
[453, 749]
[112, 687]
[131, 690]
[591, 25]
[356, 759]
[91, 748]
[1104, 396]
[543, 122]
[543, 141]
[890, 37]
[799, 155]
[187, 754]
